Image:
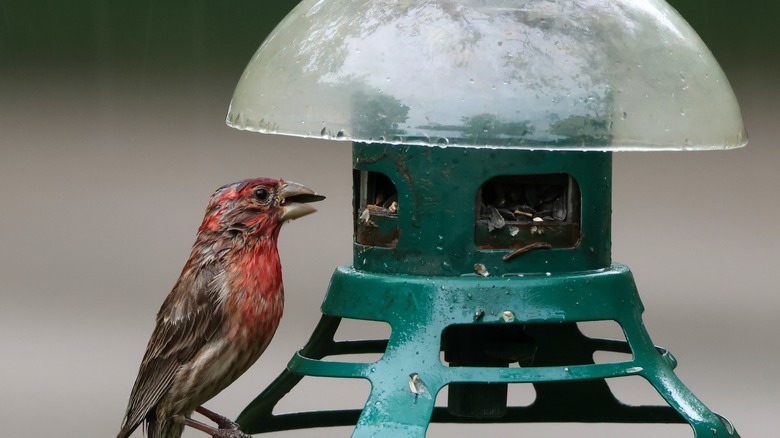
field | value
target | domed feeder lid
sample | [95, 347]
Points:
[611, 75]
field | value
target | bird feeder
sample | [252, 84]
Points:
[482, 134]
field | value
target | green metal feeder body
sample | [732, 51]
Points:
[482, 135]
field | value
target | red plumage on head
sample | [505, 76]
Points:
[229, 197]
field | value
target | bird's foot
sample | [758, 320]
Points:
[229, 433]
[227, 427]
[221, 421]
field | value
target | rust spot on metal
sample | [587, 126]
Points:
[400, 163]
[382, 231]
[371, 160]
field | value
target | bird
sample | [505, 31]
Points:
[222, 312]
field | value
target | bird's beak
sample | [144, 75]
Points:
[293, 200]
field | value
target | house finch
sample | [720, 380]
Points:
[222, 312]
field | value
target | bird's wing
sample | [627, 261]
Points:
[188, 318]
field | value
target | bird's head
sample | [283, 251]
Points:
[257, 206]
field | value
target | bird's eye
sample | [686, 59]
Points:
[262, 194]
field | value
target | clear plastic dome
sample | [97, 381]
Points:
[536, 74]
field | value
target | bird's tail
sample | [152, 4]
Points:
[127, 430]
[155, 429]
[164, 429]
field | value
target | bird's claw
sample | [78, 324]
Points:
[230, 433]
[225, 423]
[228, 429]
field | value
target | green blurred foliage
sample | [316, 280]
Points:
[481, 125]
[378, 114]
[200, 34]
[154, 34]
[737, 32]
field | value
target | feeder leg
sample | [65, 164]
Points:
[404, 383]
[660, 374]
[704, 422]
[394, 416]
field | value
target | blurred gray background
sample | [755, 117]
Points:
[112, 138]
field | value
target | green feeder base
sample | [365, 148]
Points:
[530, 320]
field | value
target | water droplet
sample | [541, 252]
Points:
[471, 81]
[682, 111]
[548, 273]
[566, 369]
[623, 116]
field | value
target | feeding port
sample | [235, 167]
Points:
[538, 210]
[375, 209]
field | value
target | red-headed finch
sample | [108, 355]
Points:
[222, 312]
